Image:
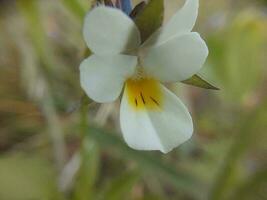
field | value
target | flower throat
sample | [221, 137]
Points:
[144, 93]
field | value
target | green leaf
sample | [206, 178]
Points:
[197, 81]
[150, 18]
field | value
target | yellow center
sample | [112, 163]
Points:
[144, 93]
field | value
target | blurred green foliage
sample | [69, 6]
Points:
[27, 177]
[241, 53]
[56, 144]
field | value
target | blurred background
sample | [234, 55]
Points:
[55, 144]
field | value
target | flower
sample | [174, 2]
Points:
[151, 116]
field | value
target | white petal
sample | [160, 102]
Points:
[162, 129]
[182, 22]
[102, 77]
[109, 31]
[178, 59]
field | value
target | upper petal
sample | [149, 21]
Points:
[182, 22]
[177, 59]
[109, 31]
[156, 129]
[102, 77]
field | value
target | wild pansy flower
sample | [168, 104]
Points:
[151, 116]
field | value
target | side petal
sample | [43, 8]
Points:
[102, 77]
[156, 129]
[109, 31]
[178, 59]
[182, 22]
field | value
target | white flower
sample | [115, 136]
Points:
[151, 117]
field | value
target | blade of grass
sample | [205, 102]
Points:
[146, 161]
[241, 143]
[119, 187]
[250, 187]
[88, 172]
[90, 158]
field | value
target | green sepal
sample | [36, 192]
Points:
[197, 81]
[150, 18]
[137, 9]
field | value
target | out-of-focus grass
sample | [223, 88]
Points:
[50, 148]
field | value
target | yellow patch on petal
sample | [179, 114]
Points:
[144, 94]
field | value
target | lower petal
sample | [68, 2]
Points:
[161, 127]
